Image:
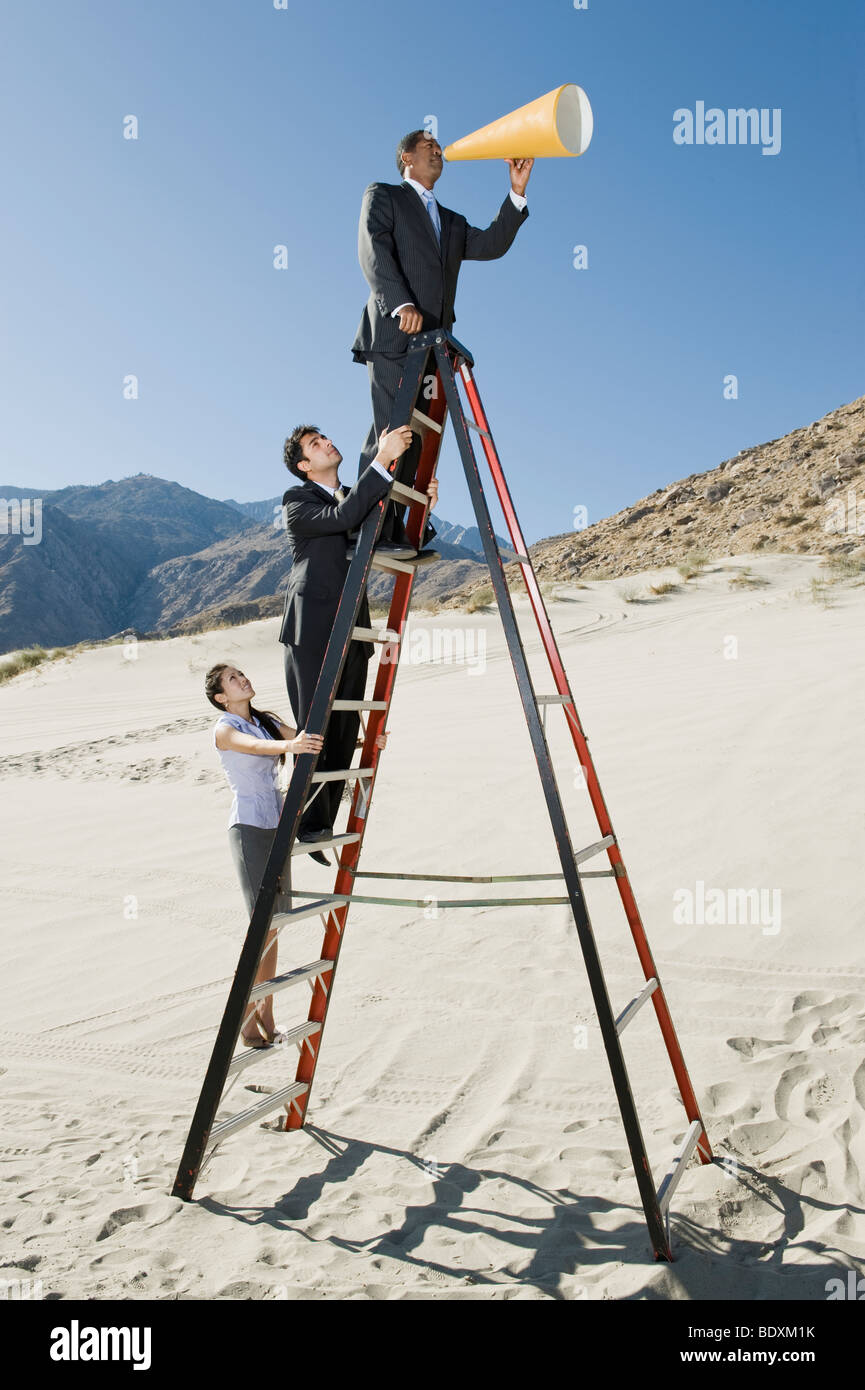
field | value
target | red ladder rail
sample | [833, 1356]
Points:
[605, 824]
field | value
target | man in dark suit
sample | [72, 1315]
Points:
[318, 516]
[410, 250]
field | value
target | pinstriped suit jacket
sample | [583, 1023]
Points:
[403, 263]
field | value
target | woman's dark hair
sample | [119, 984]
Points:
[213, 687]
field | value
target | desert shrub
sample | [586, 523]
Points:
[480, 598]
[26, 660]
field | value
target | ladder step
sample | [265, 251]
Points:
[382, 562]
[410, 494]
[307, 846]
[507, 554]
[262, 1107]
[674, 1177]
[359, 704]
[635, 1005]
[347, 774]
[321, 905]
[254, 1054]
[425, 422]
[554, 699]
[591, 850]
[291, 977]
[374, 634]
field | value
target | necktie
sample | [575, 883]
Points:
[339, 494]
[433, 210]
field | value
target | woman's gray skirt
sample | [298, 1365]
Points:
[250, 849]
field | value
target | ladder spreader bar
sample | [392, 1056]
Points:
[442, 903]
[462, 878]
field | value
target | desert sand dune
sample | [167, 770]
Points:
[464, 1140]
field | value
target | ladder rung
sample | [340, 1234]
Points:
[673, 1178]
[307, 846]
[507, 554]
[359, 704]
[374, 634]
[409, 493]
[291, 977]
[635, 1005]
[254, 1054]
[262, 1107]
[473, 426]
[346, 774]
[382, 562]
[321, 905]
[554, 699]
[425, 421]
[591, 850]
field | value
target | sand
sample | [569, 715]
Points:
[463, 1137]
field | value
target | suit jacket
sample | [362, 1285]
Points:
[317, 527]
[403, 262]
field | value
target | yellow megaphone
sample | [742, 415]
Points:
[559, 123]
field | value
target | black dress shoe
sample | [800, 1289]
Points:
[390, 550]
[310, 837]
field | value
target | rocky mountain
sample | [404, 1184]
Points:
[150, 519]
[145, 553]
[98, 544]
[801, 493]
[449, 532]
[69, 587]
[265, 513]
[148, 554]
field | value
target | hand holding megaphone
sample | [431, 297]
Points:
[520, 170]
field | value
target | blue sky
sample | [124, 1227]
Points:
[262, 126]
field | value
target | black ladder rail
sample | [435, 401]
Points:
[286, 832]
[597, 982]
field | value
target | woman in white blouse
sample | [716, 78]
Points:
[251, 746]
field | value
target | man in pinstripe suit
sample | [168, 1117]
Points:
[410, 250]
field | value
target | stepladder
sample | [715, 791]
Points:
[438, 386]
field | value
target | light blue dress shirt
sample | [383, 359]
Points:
[252, 778]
